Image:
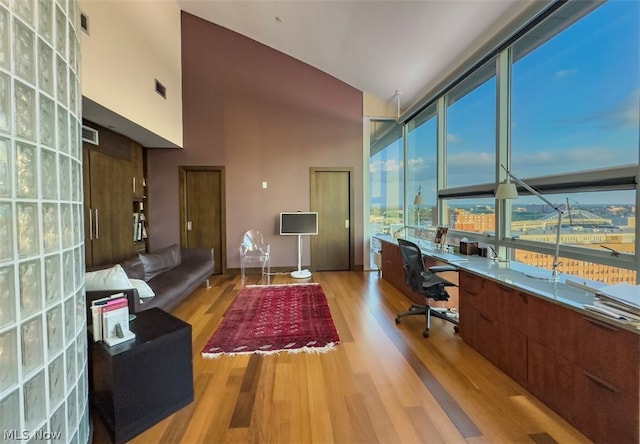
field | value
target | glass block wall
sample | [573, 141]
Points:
[43, 341]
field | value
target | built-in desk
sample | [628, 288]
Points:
[583, 365]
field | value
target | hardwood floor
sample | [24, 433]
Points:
[384, 383]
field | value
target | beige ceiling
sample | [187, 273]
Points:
[376, 46]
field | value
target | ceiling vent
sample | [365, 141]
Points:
[84, 22]
[90, 135]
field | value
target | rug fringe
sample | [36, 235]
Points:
[317, 350]
[280, 285]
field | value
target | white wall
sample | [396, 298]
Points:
[129, 45]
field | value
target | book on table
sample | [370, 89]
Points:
[110, 317]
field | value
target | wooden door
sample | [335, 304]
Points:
[202, 211]
[110, 224]
[331, 197]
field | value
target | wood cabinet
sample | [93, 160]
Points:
[587, 370]
[491, 321]
[108, 173]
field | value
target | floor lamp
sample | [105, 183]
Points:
[508, 190]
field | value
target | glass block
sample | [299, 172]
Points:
[81, 318]
[24, 51]
[27, 228]
[30, 295]
[79, 265]
[25, 119]
[78, 228]
[10, 412]
[45, 19]
[69, 320]
[73, 95]
[56, 380]
[49, 175]
[81, 344]
[72, 408]
[45, 67]
[25, 11]
[55, 334]
[72, 50]
[57, 424]
[84, 427]
[63, 130]
[6, 231]
[52, 293]
[61, 32]
[5, 48]
[38, 436]
[65, 177]
[26, 170]
[47, 121]
[34, 401]
[76, 177]
[50, 230]
[8, 360]
[74, 140]
[66, 218]
[7, 303]
[68, 273]
[5, 167]
[61, 80]
[5, 102]
[70, 366]
[32, 345]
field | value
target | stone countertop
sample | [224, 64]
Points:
[526, 278]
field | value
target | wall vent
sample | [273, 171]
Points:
[84, 22]
[161, 89]
[90, 135]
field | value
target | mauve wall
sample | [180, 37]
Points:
[264, 116]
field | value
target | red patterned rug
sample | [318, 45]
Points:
[269, 319]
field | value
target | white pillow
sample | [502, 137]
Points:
[113, 278]
[144, 291]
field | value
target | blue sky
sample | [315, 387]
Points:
[575, 106]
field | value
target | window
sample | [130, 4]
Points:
[422, 148]
[564, 116]
[575, 96]
[471, 129]
[386, 176]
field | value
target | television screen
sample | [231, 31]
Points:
[300, 222]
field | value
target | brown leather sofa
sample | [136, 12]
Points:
[172, 273]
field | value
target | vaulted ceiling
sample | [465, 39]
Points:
[376, 46]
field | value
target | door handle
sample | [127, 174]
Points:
[189, 226]
[346, 223]
[97, 226]
[90, 224]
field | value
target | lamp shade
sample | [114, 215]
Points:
[507, 190]
[418, 200]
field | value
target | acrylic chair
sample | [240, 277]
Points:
[425, 282]
[254, 250]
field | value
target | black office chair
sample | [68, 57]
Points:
[426, 283]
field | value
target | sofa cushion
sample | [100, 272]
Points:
[133, 267]
[144, 291]
[113, 278]
[160, 261]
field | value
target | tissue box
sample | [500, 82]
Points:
[468, 248]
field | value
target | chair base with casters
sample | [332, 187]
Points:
[428, 312]
[426, 283]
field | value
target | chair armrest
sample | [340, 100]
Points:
[442, 268]
[197, 254]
